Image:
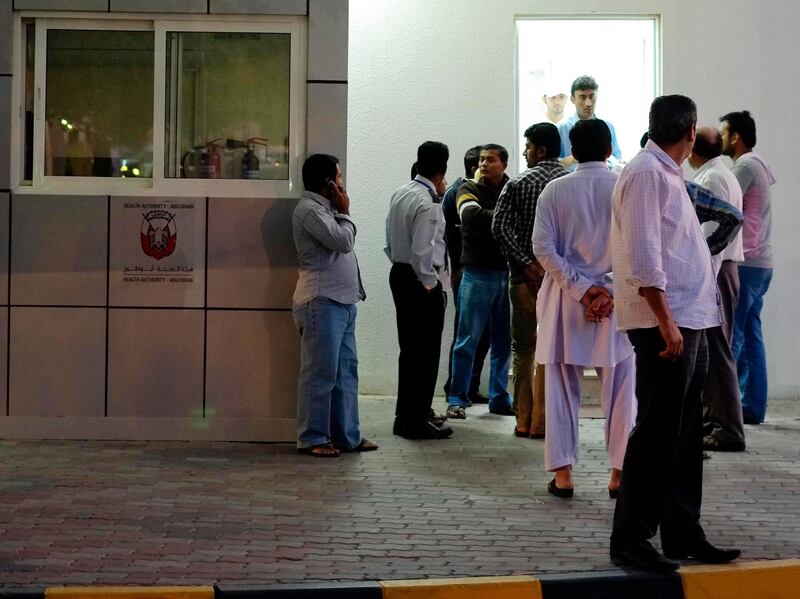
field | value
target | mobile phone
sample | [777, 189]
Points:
[329, 182]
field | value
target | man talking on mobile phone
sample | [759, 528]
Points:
[324, 309]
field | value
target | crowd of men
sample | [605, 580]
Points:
[571, 264]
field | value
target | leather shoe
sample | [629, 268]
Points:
[642, 556]
[553, 489]
[428, 431]
[704, 552]
[711, 443]
[478, 398]
[503, 410]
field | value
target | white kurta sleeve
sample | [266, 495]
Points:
[545, 248]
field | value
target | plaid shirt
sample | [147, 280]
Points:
[515, 212]
[711, 208]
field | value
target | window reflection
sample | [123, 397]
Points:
[99, 107]
[227, 103]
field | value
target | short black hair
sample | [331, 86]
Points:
[317, 169]
[671, 118]
[545, 135]
[583, 82]
[414, 171]
[708, 149]
[501, 151]
[591, 140]
[471, 159]
[643, 140]
[432, 157]
[742, 123]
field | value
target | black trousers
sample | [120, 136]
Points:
[420, 320]
[662, 474]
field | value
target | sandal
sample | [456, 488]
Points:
[325, 450]
[520, 433]
[365, 445]
[437, 419]
[456, 412]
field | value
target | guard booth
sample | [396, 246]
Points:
[150, 155]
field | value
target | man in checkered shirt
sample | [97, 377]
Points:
[512, 228]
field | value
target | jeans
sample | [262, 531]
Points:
[748, 342]
[480, 351]
[483, 298]
[327, 390]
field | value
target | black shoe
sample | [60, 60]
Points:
[706, 455]
[704, 552]
[503, 411]
[428, 431]
[750, 420]
[478, 398]
[397, 429]
[711, 443]
[558, 491]
[642, 556]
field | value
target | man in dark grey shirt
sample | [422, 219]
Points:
[324, 308]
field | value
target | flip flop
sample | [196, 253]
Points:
[519, 433]
[324, 450]
[365, 445]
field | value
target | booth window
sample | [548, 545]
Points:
[98, 104]
[189, 107]
[227, 103]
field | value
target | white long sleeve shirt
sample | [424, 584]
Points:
[415, 230]
[656, 241]
[719, 180]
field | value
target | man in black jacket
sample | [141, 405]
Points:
[483, 296]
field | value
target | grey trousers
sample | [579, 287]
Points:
[721, 392]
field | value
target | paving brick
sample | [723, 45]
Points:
[99, 512]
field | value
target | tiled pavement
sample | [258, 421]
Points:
[197, 513]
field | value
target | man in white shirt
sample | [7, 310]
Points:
[723, 418]
[665, 296]
[576, 325]
[415, 244]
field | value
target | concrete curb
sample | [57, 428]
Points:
[776, 579]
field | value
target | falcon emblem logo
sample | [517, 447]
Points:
[159, 235]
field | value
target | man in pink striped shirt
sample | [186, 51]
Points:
[666, 298]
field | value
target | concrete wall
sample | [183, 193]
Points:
[411, 62]
[83, 356]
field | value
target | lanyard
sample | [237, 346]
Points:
[434, 195]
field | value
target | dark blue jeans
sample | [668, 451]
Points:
[748, 342]
[482, 301]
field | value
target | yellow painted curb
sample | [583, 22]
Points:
[490, 587]
[130, 592]
[777, 579]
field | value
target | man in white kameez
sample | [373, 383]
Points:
[577, 326]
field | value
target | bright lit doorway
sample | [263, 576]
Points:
[621, 53]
